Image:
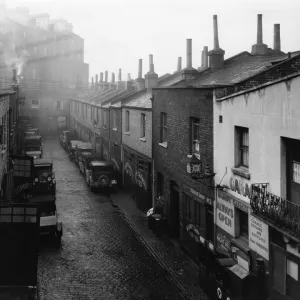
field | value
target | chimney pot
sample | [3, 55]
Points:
[259, 29]
[128, 77]
[151, 65]
[179, 64]
[96, 78]
[277, 42]
[106, 76]
[120, 75]
[216, 34]
[205, 56]
[189, 53]
[101, 77]
[113, 77]
[140, 71]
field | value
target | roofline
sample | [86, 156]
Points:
[137, 108]
[204, 87]
[270, 68]
[5, 93]
[261, 86]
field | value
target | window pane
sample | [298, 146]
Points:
[292, 269]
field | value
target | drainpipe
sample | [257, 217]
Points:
[152, 154]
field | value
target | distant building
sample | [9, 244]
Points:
[49, 58]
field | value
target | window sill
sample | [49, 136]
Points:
[143, 139]
[241, 171]
[164, 144]
[115, 129]
[127, 132]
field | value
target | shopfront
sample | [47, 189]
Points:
[197, 223]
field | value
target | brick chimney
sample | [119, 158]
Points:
[189, 72]
[92, 81]
[179, 64]
[106, 76]
[277, 42]
[140, 81]
[151, 78]
[216, 55]
[101, 81]
[120, 83]
[259, 48]
[96, 76]
[129, 83]
[105, 84]
[204, 59]
[112, 84]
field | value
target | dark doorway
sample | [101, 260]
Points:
[174, 210]
[293, 170]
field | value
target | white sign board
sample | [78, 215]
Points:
[259, 237]
[225, 213]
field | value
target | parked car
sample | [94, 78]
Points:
[29, 134]
[33, 146]
[100, 174]
[83, 149]
[34, 130]
[86, 159]
[44, 177]
[72, 148]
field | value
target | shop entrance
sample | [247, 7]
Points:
[174, 209]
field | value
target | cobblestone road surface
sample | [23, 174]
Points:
[99, 257]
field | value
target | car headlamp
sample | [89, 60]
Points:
[53, 180]
[49, 178]
[36, 180]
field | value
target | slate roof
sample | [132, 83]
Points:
[235, 69]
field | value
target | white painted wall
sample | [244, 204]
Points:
[269, 113]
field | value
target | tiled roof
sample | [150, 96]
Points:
[139, 99]
[235, 69]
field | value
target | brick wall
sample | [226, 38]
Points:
[132, 139]
[180, 105]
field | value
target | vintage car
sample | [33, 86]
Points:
[100, 174]
[29, 134]
[86, 159]
[83, 149]
[44, 177]
[43, 193]
[34, 130]
[72, 148]
[33, 146]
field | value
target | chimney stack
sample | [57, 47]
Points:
[216, 56]
[92, 81]
[14, 75]
[259, 48]
[120, 75]
[277, 42]
[140, 71]
[112, 84]
[151, 65]
[179, 64]
[96, 76]
[151, 78]
[101, 77]
[106, 76]
[112, 77]
[204, 57]
[140, 81]
[189, 53]
[129, 83]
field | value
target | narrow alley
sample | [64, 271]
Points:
[99, 257]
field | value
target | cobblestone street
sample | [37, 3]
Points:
[99, 257]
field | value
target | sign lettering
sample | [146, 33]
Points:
[225, 214]
[259, 237]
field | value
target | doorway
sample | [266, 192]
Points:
[174, 210]
[293, 170]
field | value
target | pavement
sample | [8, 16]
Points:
[168, 253]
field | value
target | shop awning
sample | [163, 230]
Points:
[239, 271]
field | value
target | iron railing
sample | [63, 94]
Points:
[277, 211]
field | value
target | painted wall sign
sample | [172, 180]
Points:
[259, 237]
[199, 195]
[128, 169]
[115, 163]
[225, 213]
[223, 242]
[240, 205]
[240, 186]
[140, 180]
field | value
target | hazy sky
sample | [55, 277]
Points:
[119, 32]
